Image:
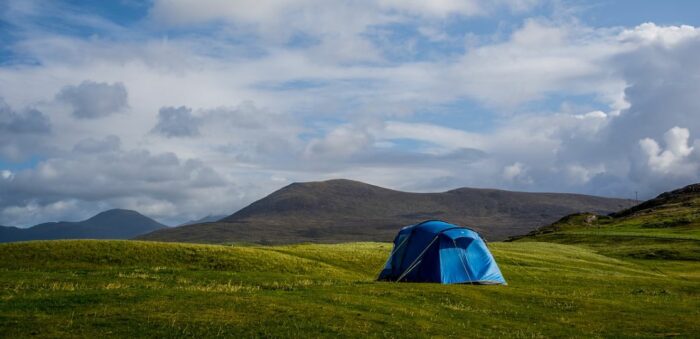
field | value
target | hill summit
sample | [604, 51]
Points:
[682, 195]
[111, 224]
[345, 210]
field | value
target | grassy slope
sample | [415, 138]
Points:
[126, 288]
[663, 228]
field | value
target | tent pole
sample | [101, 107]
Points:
[462, 260]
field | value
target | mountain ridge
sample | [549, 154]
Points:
[109, 224]
[341, 210]
[208, 218]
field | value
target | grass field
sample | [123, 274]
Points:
[128, 288]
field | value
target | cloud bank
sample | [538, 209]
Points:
[198, 108]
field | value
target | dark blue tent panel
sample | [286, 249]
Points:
[435, 251]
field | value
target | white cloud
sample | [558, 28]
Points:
[439, 8]
[673, 160]
[341, 142]
[517, 174]
[448, 138]
[7, 174]
[581, 174]
[539, 58]
[189, 12]
[667, 36]
[510, 172]
[267, 12]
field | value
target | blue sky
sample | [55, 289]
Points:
[182, 109]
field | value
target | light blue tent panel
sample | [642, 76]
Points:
[436, 251]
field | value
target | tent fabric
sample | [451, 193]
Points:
[436, 251]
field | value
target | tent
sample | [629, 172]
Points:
[435, 251]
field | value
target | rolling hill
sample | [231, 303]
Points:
[111, 224]
[345, 210]
[666, 227]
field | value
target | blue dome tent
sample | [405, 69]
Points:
[435, 251]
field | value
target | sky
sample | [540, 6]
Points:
[181, 109]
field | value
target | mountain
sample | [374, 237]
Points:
[344, 210]
[111, 224]
[208, 218]
[666, 227]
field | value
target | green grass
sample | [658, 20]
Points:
[135, 289]
[670, 230]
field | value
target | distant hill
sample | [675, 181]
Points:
[208, 218]
[111, 224]
[666, 227]
[344, 210]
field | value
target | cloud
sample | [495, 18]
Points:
[396, 158]
[177, 122]
[661, 93]
[325, 30]
[7, 174]
[92, 100]
[99, 174]
[22, 133]
[266, 12]
[247, 135]
[673, 159]
[538, 59]
[440, 8]
[580, 174]
[616, 152]
[341, 142]
[31, 121]
[516, 172]
[246, 116]
[661, 83]
[188, 12]
[650, 33]
[512, 171]
[91, 145]
[446, 137]
[593, 151]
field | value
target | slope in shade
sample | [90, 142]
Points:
[345, 210]
[435, 251]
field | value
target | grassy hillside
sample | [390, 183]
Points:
[667, 227]
[127, 288]
[345, 210]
